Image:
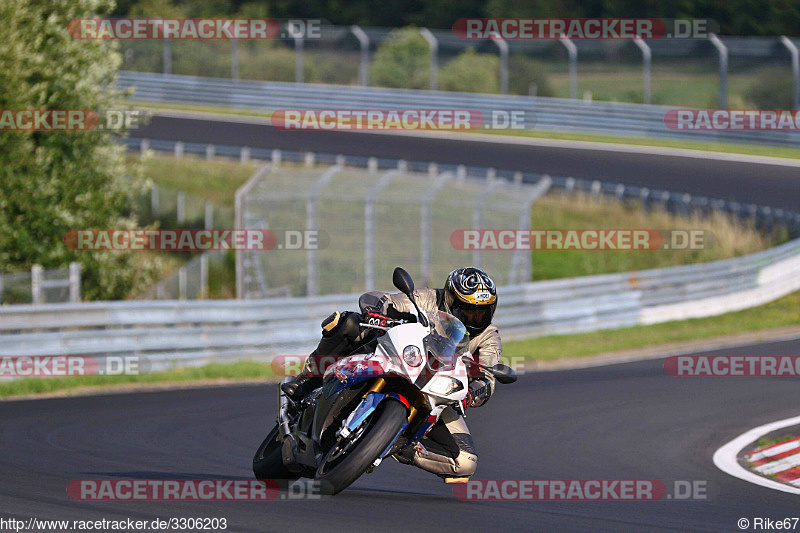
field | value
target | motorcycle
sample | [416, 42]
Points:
[374, 403]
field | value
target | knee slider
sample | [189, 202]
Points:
[466, 464]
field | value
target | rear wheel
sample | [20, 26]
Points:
[268, 463]
[349, 458]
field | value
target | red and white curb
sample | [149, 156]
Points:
[782, 459]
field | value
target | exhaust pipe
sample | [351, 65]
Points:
[283, 409]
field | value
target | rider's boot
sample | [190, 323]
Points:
[300, 387]
[338, 333]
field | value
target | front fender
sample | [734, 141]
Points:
[368, 405]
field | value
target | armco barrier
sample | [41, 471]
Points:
[548, 114]
[181, 333]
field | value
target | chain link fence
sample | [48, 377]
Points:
[359, 224]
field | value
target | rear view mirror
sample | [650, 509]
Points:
[504, 374]
[402, 280]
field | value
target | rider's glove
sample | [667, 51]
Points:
[394, 314]
[376, 319]
[477, 394]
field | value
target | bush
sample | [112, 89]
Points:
[56, 181]
[773, 90]
[403, 60]
[472, 73]
[522, 72]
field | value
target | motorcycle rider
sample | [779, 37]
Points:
[470, 295]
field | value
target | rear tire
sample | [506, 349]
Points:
[383, 426]
[268, 462]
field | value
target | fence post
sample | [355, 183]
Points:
[503, 46]
[154, 200]
[573, 66]
[204, 276]
[433, 43]
[36, 284]
[363, 68]
[795, 70]
[477, 212]
[425, 224]
[239, 216]
[312, 276]
[369, 228]
[209, 218]
[646, 59]
[182, 283]
[167, 57]
[522, 262]
[723, 70]
[298, 52]
[181, 207]
[74, 282]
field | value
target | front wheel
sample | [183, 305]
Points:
[268, 463]
[349, 458]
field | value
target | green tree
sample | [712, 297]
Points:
[55, 181]
[402, 60]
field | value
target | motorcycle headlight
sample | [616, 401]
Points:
[412, 356]
[445, 386]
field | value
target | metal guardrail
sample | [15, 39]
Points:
[547, 114]
[178, 333]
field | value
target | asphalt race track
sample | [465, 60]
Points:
[770, 185]
[626, 421]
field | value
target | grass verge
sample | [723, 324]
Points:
[780, 313]
[216, 371]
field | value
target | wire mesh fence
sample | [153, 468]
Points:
[361, 233]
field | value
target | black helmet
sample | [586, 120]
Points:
[471, 296]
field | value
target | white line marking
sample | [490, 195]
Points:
[725, 457]
[778, 466]
[777, 450]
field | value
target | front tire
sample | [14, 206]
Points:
[268, 463]
[337, 472]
